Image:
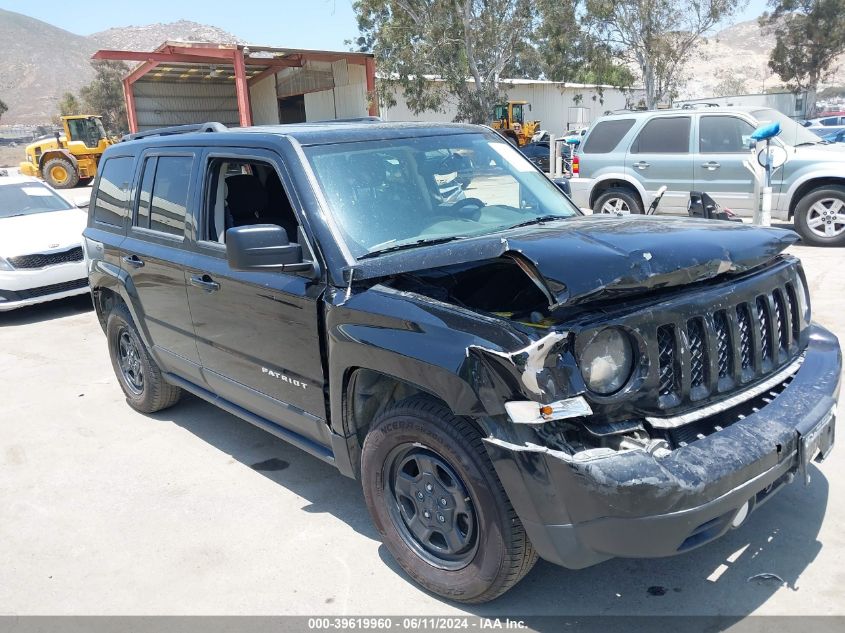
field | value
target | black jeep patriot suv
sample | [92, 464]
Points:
[421, 307]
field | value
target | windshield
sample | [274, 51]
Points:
[791, 132]
[89, 130]
[407, 192]
[28, 198]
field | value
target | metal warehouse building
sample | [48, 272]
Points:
[192, 82]
[557, 105]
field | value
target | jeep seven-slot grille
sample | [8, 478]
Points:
[42, 260]
[719, 351]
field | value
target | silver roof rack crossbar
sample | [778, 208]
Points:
[177, 129]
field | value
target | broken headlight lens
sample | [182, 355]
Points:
[607, 361]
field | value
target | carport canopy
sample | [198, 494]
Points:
[243, 65]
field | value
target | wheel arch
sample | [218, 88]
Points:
[57, 153]
[615, 181]
[807, 185]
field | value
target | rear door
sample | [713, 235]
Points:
[660, 154]
[724, 144]
[155, 257]
[258, 332]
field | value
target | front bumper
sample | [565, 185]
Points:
[579, 512]
[19, 288]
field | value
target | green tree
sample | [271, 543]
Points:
[809, 36]
[104, 95]
[465, 44]
[69, 105]
[3, 108]
[657, 36]
[729, 86]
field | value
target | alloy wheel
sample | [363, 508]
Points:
[129, 360]
[616, 206]
[826, 218]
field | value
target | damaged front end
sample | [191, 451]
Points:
[660, 437]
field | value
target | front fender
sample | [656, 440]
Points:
[419, 341]
[817, 171]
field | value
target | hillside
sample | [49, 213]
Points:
[40, 62]
[741, 50]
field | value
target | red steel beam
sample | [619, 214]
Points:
[140, 71]
[131, 115]
[242, 89]
[370, 69]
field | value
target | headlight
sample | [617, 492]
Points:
[4, 265]
[607, 361]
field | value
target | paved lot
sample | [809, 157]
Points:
[107, 511]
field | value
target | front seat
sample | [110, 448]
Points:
[246, 200]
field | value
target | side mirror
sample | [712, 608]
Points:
[263, 247]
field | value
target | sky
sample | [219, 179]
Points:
[319, 24]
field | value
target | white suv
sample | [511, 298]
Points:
[41, 255]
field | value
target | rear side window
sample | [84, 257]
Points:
[605, 136]
[664, 135]
[112, 200]
[163, 198]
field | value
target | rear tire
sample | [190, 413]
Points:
[820, 216]
[138, 374]
[619, 201]
[440, 509]
[60, 173]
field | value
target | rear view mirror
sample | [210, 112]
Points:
[263, 247]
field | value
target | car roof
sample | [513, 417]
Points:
[314, 133]
[627, 114]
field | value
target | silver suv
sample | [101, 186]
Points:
[625, 158]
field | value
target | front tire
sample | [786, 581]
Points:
[618, 201]
[440, 509]
[60, 173]
[138, 374]
[820, 216]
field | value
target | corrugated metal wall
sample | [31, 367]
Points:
[265, 107]
[159, 104]
[550, 104]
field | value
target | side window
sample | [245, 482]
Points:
[240, 192]
[163, 195]
[605, 136]
[169, 201]
[724, 134]
[112, 201]
[663, 135]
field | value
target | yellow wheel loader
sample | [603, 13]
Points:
[71, 157]
[509, 119]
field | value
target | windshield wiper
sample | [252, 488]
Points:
[539, 220]
[808, 143]
[408, 245]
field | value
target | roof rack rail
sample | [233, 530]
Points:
[700, 104]
[177, 129]
[356, 119]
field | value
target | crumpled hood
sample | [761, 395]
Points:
[41, 232]
[592, 257]
[582, 259]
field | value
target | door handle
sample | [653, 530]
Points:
[712, 165]
[205, 282]
[641, 165]
[133, 260]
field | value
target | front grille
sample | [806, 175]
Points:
[31, 293]
[698, 369]
[667, 354]
[42, 260]
[717, 352]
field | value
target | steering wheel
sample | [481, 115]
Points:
[459, 208]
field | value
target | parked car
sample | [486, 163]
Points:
[626, 158]
[832, 120]
[834, 136]
[507, 378]
[538, 153]
[40, 244]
